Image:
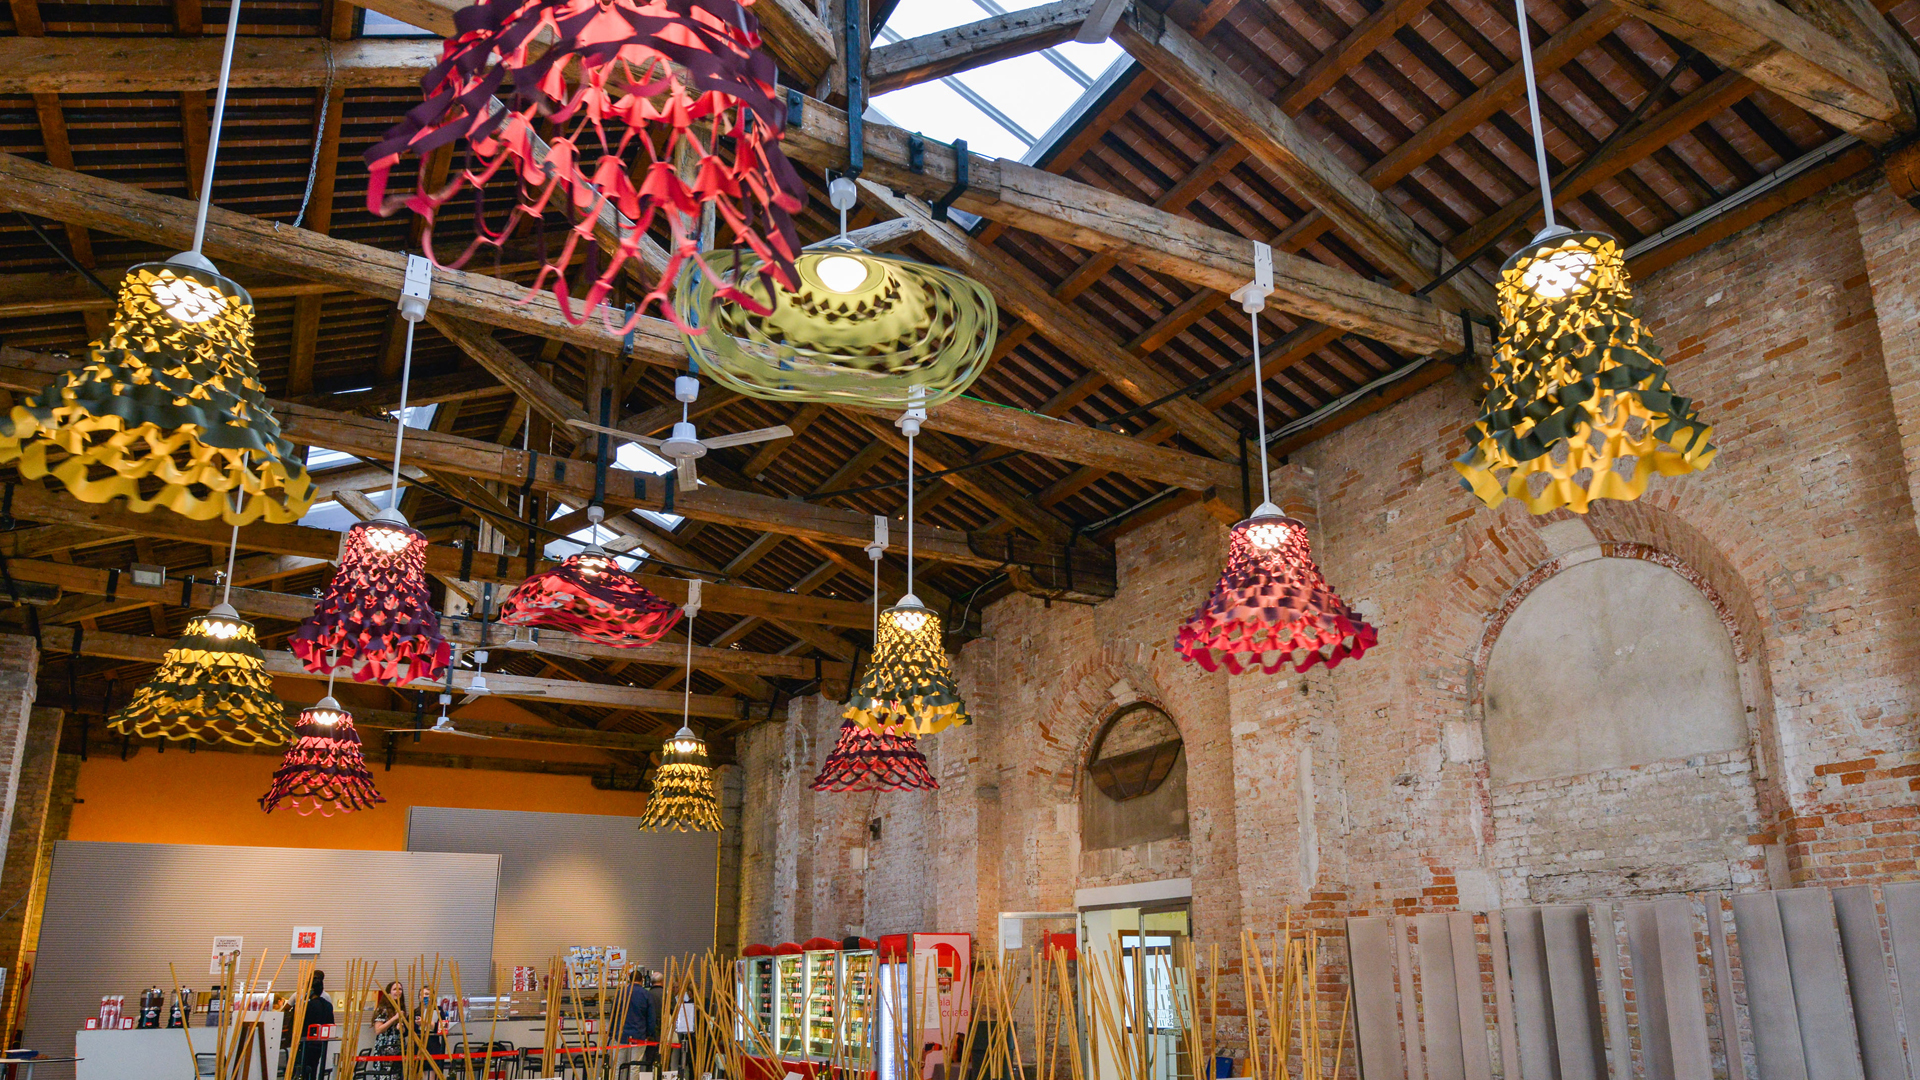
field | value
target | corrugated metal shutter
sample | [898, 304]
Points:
[584, 879]
[117, 914]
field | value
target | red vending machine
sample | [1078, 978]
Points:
[925, 980]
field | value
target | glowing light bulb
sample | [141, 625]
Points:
[187, 300]
[1559, 274]
[841, 273]
[1267, 535]
[910, 621]
[220, 630]
[388, 541]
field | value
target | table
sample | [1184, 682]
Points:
[13, 1065]
[158, 1053]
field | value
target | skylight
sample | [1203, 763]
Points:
[319, 457]
[1010, 109]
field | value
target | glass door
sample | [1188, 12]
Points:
[1127, 956]
[790, 992]
[856, 1005]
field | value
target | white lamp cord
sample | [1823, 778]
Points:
[1260, 409]
[213, 137]
[1533, 106]
[686, 698]
[400, 436]
[876, 568]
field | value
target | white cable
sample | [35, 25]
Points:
[686, 699]
[1260, 409]
[909, 518]
[1533, 106]
[213, 137]
[406, 375]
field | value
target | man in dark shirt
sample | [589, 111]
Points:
[642, 1020]
[319, 1011]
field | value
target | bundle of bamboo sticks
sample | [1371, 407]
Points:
[1285, 1027]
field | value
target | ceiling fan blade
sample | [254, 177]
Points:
[765, 434]
[466, 734]
[689, 480]
[617, 433]
[470, 699]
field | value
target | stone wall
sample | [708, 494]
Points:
[1366, 789]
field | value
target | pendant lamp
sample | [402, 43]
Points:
[865, 760]
[857, 328]
[377, 614]
[211, 686]
[168, 410]
[324, 769]
[683, 798]
[591, 595]
[1580, 407]
[909, 685]
[656, 107]
[1271, 606]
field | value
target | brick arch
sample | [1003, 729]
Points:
[1085, 701]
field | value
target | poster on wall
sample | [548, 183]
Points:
[226, 948]
[306, 941]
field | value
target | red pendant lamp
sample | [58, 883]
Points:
[1271, 606]
[324, 770]
[864, 760]
[377, 615]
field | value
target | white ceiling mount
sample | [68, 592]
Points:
[909, 422]
[842, 194]
[692, 606]
[417, 290]
[1100, 21]
[1253, 295]
[879, 545]
[686, 388]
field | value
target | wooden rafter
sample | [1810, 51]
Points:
[976, 44]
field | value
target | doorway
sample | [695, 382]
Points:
[1129, 952]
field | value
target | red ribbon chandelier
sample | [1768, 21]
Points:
[591, 595]
[634, 92]
[1271, 606]
[324, 769]
[864, 760]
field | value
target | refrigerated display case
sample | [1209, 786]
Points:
[857, 975]
[756, 996]
[790, 1002]
[822, 968]
[928, 977]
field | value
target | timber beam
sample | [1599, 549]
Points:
[976, 44]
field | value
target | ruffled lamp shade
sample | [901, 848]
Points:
[909, 685]
[212, 685]
[865, 760]
[1271, 607]
[626, 88]
[1580, 406]
[860, 329]
[172, 395]
[377, 614]
[589, 594]
[324, 769]
[683, 798]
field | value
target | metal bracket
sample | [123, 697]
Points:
[916, 153]
[417, 290]
[692, 606]
[879, 543]
[959, 188]
[796, 107]
[1253, 295]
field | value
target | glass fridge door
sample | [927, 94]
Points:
[892, 1018]
[856, 1019]
[791, 1011]
[820, 1004]
[760, 991]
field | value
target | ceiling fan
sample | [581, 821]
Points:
[444, 725]
[684, 446]
[477, 686]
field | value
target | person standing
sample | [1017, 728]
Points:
[640, 1025]
[656, 1011]
[683, 1017]
[313, 1052]
[389, 1020]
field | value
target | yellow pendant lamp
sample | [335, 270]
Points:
[1580, 407]
[168, 411]
[683, 797]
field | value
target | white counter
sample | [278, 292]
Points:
[160, 1053]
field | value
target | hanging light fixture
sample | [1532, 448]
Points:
[211, 686]
[631, 90]
[170, 394]
[858, 328]
[909, 685]
[1271, 606]
[1580, 407]
[683, 798]
[591, 595]
[865, 760]
[324, 769]
[377, 614]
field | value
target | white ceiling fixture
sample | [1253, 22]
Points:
[685, 446]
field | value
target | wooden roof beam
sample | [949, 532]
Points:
[1857, 82]
[976, 44]
[1379, 229]
[148, 64]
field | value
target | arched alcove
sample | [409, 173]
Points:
[1610, 663]
[1135, 788]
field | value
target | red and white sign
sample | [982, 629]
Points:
[306, 941]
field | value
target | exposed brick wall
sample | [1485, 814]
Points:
[1366, 789]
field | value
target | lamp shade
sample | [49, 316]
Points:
[865, 760]
[1271, 607]
[909, 685]
[683, 798]
[627, 89]
[212, 685]
[859, 328]
[591, 595]
[1580, 407]
[324, 769]
[376, 614]
[171, 394]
